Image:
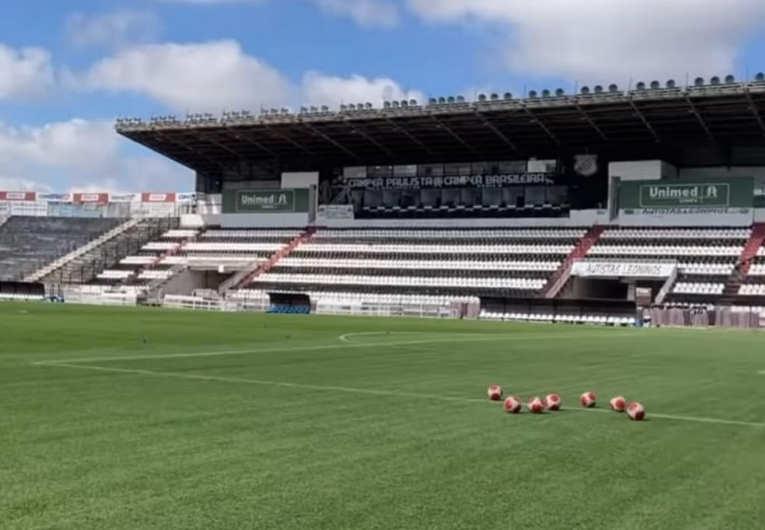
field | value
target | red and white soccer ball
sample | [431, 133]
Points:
[513, 405]
[536, 406]
[553, 402]
[495, 392]
[618, 404]
[636, 411]
[588, 399]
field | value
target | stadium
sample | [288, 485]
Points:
[305, 340]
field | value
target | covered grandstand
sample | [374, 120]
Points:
[552, 207]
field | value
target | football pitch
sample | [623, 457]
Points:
[144, 419]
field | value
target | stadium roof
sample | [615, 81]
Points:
[494, 129]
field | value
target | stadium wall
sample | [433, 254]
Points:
[300, 180]
[245, 220]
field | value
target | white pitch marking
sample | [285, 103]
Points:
[694, 419]
[372, 392]
[347, 336]
[329, 347]
[283, 384]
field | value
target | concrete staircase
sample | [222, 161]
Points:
[257, 268]
[160, 258]
[756, 240]
[738, 277]
[85, 263]
[559, 279]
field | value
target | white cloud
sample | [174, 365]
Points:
[364, 12]
[606, 40]
[219, 75]
[114, 29]
[319, 89]
[381, 13]
[199, 77]
[83, 155]
[8, 183]
[25, 73]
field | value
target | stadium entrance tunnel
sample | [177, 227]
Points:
[642, 292]
[289, 303]
[21, 291]
[582, 310]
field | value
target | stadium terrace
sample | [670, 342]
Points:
[605, 207]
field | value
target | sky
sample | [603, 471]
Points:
[69, 68]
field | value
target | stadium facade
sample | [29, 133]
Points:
[554, 204]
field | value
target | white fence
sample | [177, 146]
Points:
[93, 298]
[332, 307]
[99, 295]
[388, 310]
[204, 304]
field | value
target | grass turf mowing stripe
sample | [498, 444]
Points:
[371, 392]
[348, 346]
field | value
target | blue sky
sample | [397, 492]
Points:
[68, 68]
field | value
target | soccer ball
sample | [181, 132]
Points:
[495, 392]
[553, 402]
[618, 404]
[513, 405]
[536, 406]
[636, 411]
[588, 399]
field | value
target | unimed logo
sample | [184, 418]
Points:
[679, 195]
[683, 193]
[265, 201]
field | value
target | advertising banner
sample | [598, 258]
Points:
[124, 197]
[91, 198]
[266, 201]
[465, 181]
[684, 197]
[618, 269]
[336, 211]
[54, 197]
[17, 196]
[158, 197]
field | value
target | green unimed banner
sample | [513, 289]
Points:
[687, 196]
[266, 201]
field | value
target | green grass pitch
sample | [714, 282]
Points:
[152, 419]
